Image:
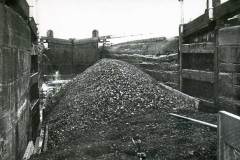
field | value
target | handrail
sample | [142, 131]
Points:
[195, 120]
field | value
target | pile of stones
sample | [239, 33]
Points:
[112, 105]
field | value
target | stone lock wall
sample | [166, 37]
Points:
[229, 69]
[15, 50]
[69, 57]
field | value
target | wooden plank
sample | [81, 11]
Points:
[198, 48]
[197, 25]
[227, 9]
[198, 75]
[228, 136]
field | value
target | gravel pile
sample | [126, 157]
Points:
[113, 103]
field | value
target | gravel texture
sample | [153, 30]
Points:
[113, 102]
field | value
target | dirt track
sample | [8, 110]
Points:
[112, 102]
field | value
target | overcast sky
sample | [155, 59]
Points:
[77, 18]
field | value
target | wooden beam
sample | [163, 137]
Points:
[198, 48]
[198, 75]
[223, 11]
[196, 25]
[227, 9]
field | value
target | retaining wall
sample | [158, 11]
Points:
[15, 50]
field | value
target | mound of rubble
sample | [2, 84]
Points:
[112, 105]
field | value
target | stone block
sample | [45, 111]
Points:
[236, 78]
[229, 54]
[2, 22]
[229, 105]
[1, 66]
[199, 89]
[225, 85]
[7, 146]
[227, 88]
[236, 89]
[229, 67]
[26, 61]
[11, 138]
[4, 98]
[229, 36]
[20, 6]
[23, 132]
[8, 67]
[22, 88]
[20, 63]
[8, 62]
[19, 31]
[5, 123]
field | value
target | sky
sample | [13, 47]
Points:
[77, 18]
